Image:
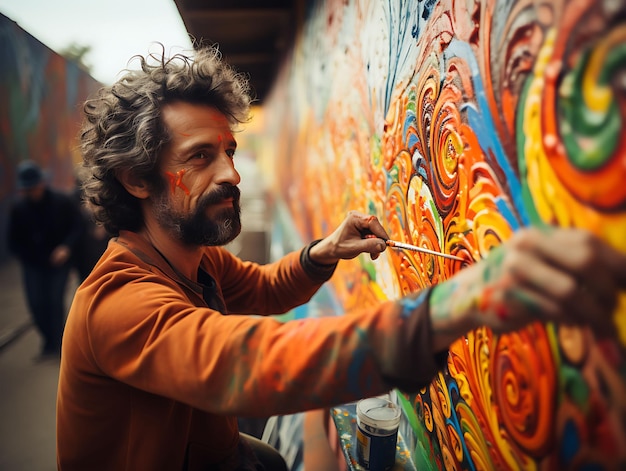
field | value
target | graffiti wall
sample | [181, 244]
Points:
[40, 113]
[456, 123]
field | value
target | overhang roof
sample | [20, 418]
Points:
[253, 35]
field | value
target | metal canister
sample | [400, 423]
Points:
[377, 433]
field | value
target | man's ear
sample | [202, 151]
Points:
[133, 184]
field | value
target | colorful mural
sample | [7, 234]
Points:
[457, 123]
[40, 112]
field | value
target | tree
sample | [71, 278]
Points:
[76, 52]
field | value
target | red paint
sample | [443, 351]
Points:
[501, 312]
[177, 181]
[487, 303]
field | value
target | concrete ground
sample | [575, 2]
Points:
[27, 387]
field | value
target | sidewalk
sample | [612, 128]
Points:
[27, 388]
[14, 317]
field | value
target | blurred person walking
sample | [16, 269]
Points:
[44, 226]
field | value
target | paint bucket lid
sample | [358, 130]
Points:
[378, 413]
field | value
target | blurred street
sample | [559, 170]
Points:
[27, 387]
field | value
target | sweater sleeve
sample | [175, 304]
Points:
[413, 365]
[250, 365]
[275, 288]
[316, 271]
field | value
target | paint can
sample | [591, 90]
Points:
[377, 433]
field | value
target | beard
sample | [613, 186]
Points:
[196, 228]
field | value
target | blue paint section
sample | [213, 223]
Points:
[426, 7]
[570, 443]
[482, 124]
[504, 208]
[453, 421]
[408, 305]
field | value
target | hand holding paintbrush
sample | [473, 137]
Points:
[414, 248]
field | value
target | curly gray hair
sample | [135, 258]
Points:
[123, 128]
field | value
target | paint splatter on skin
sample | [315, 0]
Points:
[177, 181]
[409, 304]
[228, 138]
[488, 303]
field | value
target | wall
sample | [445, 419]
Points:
[457, 123]
[40, 112]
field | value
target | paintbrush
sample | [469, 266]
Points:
[401, 245]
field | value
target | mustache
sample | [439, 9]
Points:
[225, 191]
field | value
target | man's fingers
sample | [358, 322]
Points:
[567, 276]
[576, 250]
[369, 224]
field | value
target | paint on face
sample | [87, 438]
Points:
[228, 137]
[177, 181]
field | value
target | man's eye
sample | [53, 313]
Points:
[201, 155]
[230, 153]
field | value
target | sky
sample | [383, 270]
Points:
[116, 30]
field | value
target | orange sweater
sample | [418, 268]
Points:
[151, 378]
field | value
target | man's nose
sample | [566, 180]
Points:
[226, 173]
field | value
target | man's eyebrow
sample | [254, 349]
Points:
[229, 141]
[198, 146]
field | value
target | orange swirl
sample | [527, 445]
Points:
[392, 141]
[445, 147]
[474, 438]
[524, 376]
[470, 365]
[409, 274]
[441, 411]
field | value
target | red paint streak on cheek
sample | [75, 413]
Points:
[177, 181]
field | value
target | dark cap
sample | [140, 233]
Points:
[29, 175]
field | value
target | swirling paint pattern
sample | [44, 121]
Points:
[456, 123]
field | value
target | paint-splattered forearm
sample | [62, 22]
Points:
[467, 300]
[485, 294]
[451, 305]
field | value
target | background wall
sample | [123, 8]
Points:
[40, 97]
[457, 123]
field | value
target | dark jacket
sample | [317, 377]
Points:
[37, 227]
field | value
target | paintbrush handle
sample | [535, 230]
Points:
[415, 248]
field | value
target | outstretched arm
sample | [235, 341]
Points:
[561, 275]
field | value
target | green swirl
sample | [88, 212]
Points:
[590, 138]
